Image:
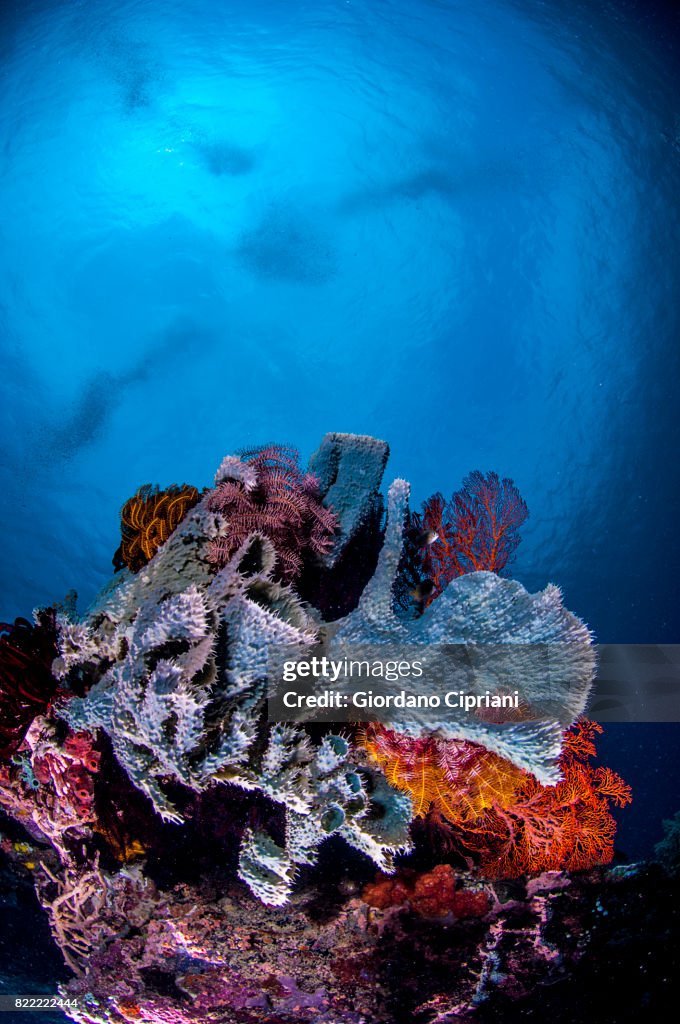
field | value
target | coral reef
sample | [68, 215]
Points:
[535, 950]
[566, 826]
[198, 861]
[148, 518]
[324, 794]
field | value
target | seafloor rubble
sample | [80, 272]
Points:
[198, 862]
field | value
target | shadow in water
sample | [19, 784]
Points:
[289, 247]
[133, 67]
[85, 420]
[225, 159]
[440, 182]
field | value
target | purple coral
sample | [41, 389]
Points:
[266, 492]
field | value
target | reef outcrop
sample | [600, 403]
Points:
[180, 838]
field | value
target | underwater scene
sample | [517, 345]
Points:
[339, 484]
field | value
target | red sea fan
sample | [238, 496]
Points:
[476, 530]
[501, 814]
[266, 492]
[26, 682]
[566, 827]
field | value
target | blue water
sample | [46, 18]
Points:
[454, 225]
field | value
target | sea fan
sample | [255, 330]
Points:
[567, 827]
[476, 530]
[491, 808]
[265, 492]
[148, 518]
[26, 682]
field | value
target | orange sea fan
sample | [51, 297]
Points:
[568, 826]
[148, 518]
[502, 814]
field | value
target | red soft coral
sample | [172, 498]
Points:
[476, 530]
[270, 495]
[430, 894]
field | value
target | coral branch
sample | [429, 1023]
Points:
[476, 530]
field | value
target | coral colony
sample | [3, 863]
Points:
[199, 862]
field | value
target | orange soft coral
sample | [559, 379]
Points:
[148, 519]
[499, 812]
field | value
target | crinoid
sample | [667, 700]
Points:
[27, 685]
[264, 491]
[457, 778]
[476, 530]
[148, 518]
